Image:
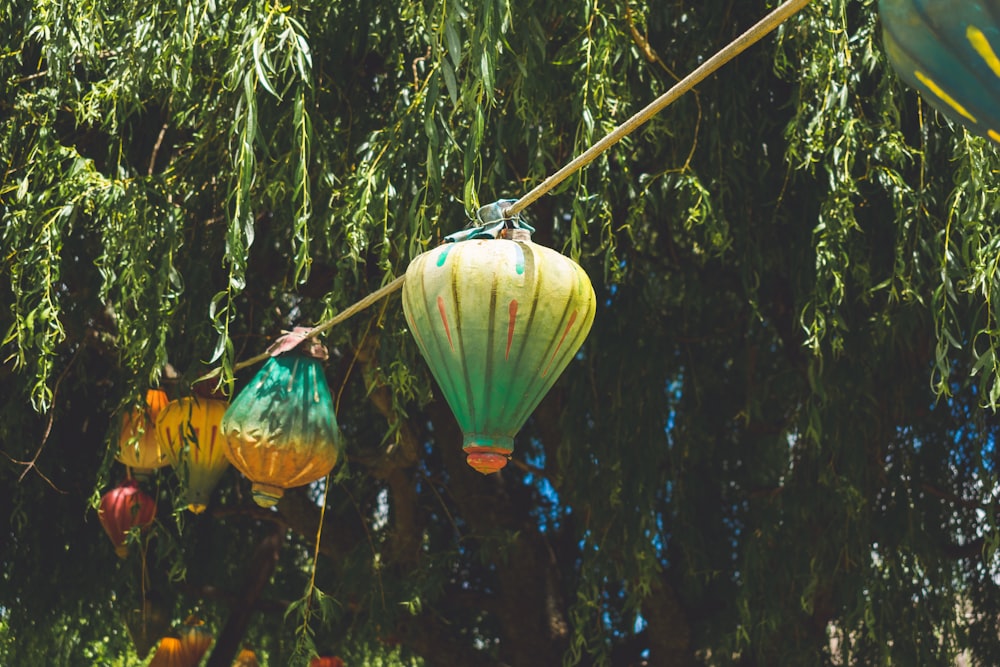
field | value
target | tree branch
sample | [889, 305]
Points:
[259, 570]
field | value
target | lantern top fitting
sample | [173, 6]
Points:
[494, 221]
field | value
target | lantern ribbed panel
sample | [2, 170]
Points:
[281, 430]
[170, 653]
[141, 451]
[949, 50]
[497, 321]
[123, 508]
[195, 640]
[190, 434]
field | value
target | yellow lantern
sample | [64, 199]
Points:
[194, 445]
[138, 444]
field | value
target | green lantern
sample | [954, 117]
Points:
[949, 50]
[497, 318]
[281, 430]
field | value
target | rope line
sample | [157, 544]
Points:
[346, 313]
[730, 51]
[750, 37]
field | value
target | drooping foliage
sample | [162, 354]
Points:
[775, 447]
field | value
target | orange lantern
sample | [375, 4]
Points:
[138, 445]
[246, 658]
[123, 508]
[193, 442]
[195, 639]
[170, 653]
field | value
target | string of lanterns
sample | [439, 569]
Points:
[496, 317]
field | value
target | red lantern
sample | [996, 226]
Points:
[122, 508]
[138, 444]
[326, 661]
[193, 442]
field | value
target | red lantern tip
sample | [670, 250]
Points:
[486, 463]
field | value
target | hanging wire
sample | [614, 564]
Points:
[730, 51]
[510, 208]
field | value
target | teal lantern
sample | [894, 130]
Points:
[498, 318]
[948, 50]
[281, 430]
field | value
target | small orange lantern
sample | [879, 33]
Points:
[195, 639]
[170, 653]
[138, 445]
[123, 508]
[193, 442]
[246, 658]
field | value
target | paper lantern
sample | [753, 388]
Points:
[949, 50]
[195, 639]
[326, 661]
[246, 658]
[281, 430]
[122, 508]
[138, 444]
[170, 653]
[497, 319]
[147, 623]
[193, 442]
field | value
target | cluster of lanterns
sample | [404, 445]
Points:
[496, 316]
[280, 432]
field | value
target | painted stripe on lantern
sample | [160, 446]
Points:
[994, 135]
[572, 319]
[578, 296]
[463, 362]
[444, 320]
[519, 262]
[513, 403]
[416, 334]
[943, 96]
[488, 379]
[441, 369]
[443, 255]
[983, 48]
[511, 321]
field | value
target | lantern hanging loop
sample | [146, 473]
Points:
[494, 221]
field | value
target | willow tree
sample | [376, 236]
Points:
[774, 448]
